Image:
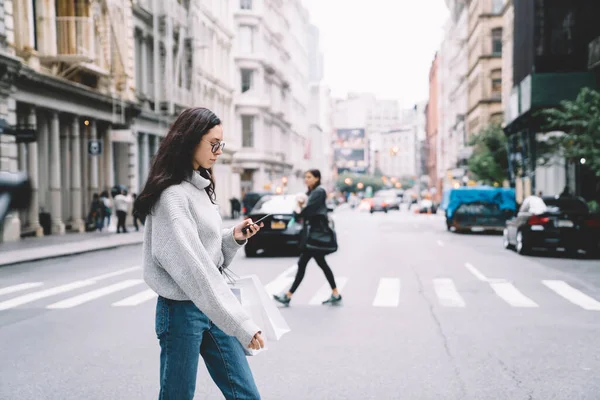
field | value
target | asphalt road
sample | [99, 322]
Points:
[427, 314]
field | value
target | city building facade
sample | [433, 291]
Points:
[68, 94]
[365, 113]
[553, 65]
[484, 76]
[452, 69]
[433, 147]
[271, 94]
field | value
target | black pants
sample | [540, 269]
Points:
[303, 262]
[121, 217]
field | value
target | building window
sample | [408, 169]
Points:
[496, 77]
[497, 41]
[497, 6]
[246, 4]
[247, 131]
[246, 39]
[246, 80]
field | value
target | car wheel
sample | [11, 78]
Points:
[522, 245]
[250, 251]
[505, 241]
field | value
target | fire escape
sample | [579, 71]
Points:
[85, 42]
[173, 24]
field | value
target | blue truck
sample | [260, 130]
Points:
[478, 208]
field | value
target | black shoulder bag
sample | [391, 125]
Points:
[318, 236]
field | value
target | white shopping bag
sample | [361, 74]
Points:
[257, 303]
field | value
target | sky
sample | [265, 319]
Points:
[380, 46]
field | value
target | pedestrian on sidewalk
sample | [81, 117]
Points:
[136, 216]
[185, 253]
[107, 203]
[122, 206]
[315, 212]
[96, 215]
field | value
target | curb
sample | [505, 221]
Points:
[20, 256]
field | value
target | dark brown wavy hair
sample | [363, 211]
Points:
[173, 162]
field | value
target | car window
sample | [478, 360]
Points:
[275, 205]
[478, 209]
[568, 204]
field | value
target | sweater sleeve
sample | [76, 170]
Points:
[230, 246]
[179, 250]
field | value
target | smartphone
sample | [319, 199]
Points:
[245, 229]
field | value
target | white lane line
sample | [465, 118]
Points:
[476, 272]
[440, 243]
[95, 294]
[136, 299]
[282, 281]
[447, 293]
[115, 273]
[509, 293]
[20, 287]
[573, 295]
[325, 292]
[388, 293]
[28, 298]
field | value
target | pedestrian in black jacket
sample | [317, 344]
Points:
[315, 211]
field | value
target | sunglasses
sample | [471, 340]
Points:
[215, 146]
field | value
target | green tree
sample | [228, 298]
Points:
[579, 119]
[489, 161]
[354, 179]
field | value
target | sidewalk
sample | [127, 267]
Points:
[33, 249]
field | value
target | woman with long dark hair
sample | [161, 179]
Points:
[185, 252]
[314, 212]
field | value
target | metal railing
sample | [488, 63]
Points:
[75, 37]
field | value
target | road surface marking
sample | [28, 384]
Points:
[136, 299]
[115, 273]
[282, 282]
[509, 293]
[388, 293]
[447, 293]
[476, 272]
[20, 287]
[325, 292]
[440, 243]
[573, 295]
[95, 294]
[28, 298]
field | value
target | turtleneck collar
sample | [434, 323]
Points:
[198, 181]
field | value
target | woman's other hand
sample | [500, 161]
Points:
[257, 342]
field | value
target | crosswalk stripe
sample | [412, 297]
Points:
[325, 291]
[447, 294]
[94, 294]
[20, 287]
[388, 293]
[136, 299]
[28, 298]
[282, 282]
[573, 295]
[509, 293]
[115, 273]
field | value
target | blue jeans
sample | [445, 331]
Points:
[185, 333]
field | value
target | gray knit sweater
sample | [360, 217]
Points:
[184, 247]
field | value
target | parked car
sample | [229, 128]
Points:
[278, 233]
[479, 208]
[249, 201]
[552, 223]
[391, 198]
[378, 204]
